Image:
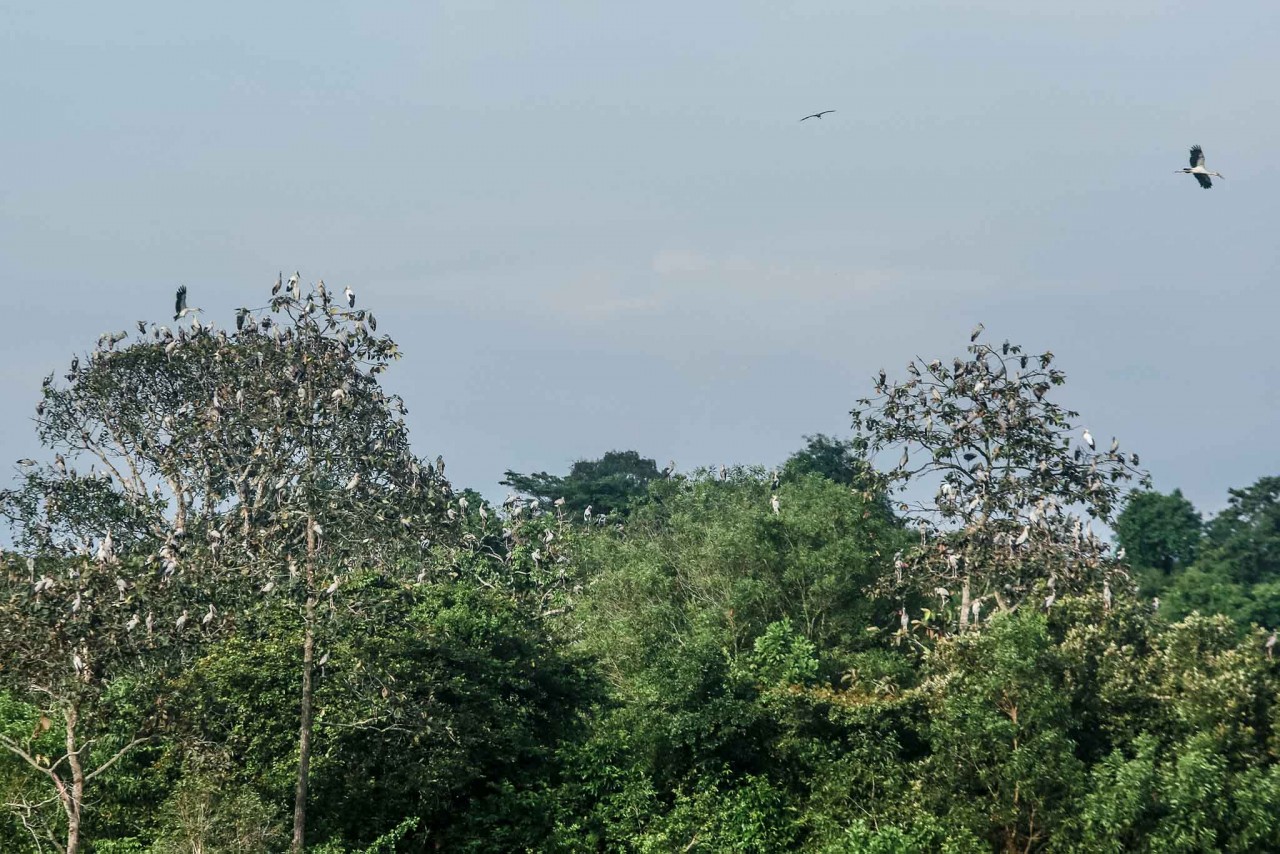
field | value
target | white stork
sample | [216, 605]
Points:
[1197, 168]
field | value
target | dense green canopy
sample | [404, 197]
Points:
[270, 625]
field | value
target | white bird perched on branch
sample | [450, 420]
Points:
[351, 297]
[1088, 439]
[1198, 168]
[106, 552]
[775, 504]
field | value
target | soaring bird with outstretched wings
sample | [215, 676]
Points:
[817, 115]
[1198, 168]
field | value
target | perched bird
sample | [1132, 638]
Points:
[1049, 600]
[1271, 644]
[133, 623]
[106, 552]
[817, 115]
[1106, 596]
[1198, 169]
[351, 297]
[774, 503]
[332, 588]
[182, 620]
[977, 330]
[324, 659]
[208, 617]
[275, 289]
[586, 514]
[1088, 438]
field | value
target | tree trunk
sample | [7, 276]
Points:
[964, 605]
[75, 798]
[304, 734]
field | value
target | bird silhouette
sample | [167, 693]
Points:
[817, 115]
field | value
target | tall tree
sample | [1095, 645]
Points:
[270, 454]
[835, 459]
[1246, 535]
[1011, 470]
[613, 484]
[90, 645]
[1159, 531]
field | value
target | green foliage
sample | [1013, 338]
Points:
[613, 485]
[1160, 532]
[1233, 568]
[445, 709]
[738, 661]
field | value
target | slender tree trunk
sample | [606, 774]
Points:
[75, 798]
[964, 605]
[304, 734]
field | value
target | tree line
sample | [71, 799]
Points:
[243, 614]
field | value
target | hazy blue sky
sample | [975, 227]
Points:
[597, 226]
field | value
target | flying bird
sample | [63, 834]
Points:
[180, 303]
[817, 115]
[1197, 168]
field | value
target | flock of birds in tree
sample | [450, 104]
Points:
[1197, 167]
[105, 552]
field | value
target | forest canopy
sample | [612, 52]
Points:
[244, 613]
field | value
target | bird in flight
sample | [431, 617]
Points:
[817, 115]
[1197, 168]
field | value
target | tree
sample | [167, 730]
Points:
[90, 646]
[1160, 532]
[613, 484]
[1010, 473]
[834, 459]
[1246, 535]
[269, 456]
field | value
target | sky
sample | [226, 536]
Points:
[600, 226]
